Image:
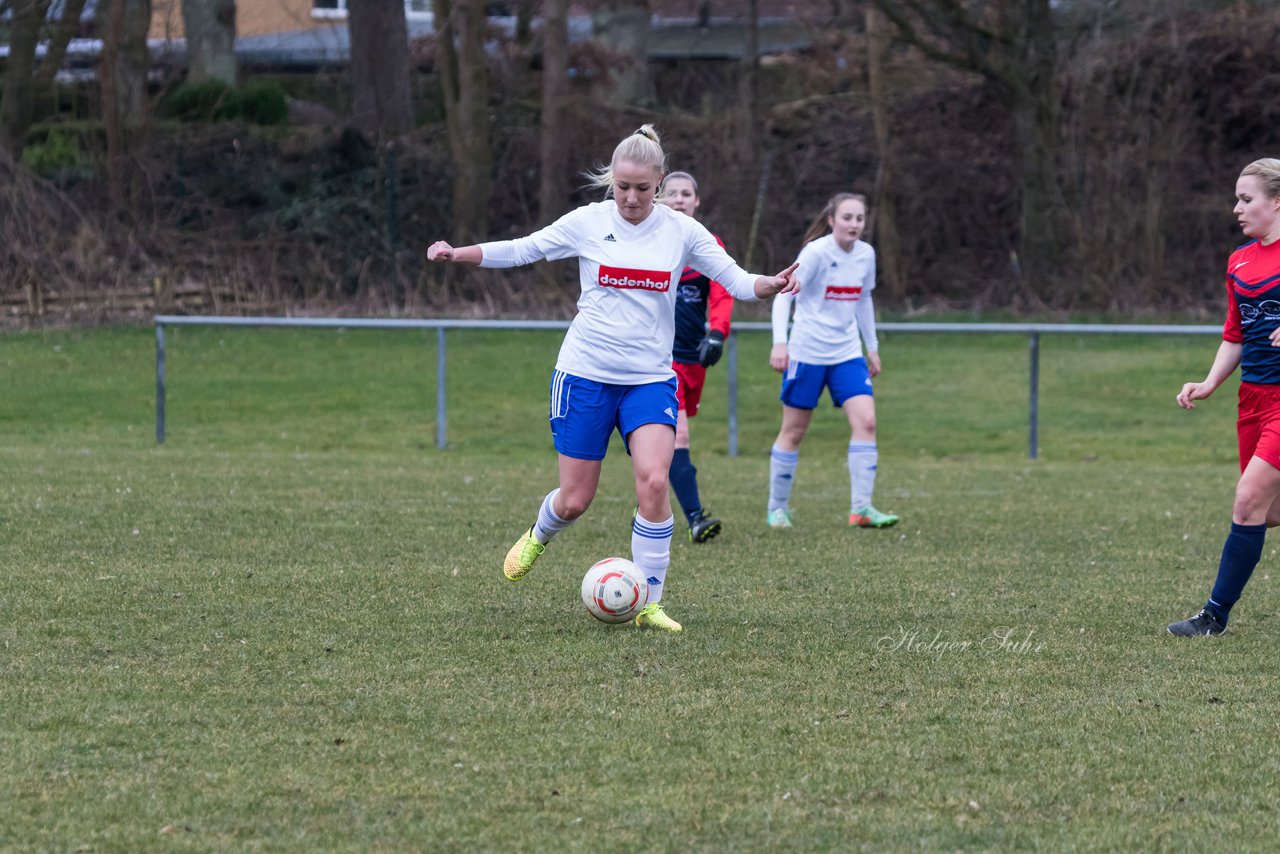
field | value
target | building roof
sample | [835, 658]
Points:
[717, 38]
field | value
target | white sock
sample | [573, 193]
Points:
[651, 551]
[549, 524]
[782, 473]
[862, 474]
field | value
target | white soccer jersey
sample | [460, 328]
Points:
[834, 304]
[625, 324]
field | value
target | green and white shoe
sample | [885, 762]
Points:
[780, 518]
[870, 517]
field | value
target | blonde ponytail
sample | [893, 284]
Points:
[643, 148]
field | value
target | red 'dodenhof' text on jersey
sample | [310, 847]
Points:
[833, 306]
[625, 324]
[646, 280]
[1253, 310]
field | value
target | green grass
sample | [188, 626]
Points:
[286, 629]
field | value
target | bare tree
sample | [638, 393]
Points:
[555, 89]
[210, 28]
[381, 101]
[1012, 44]
[884, 221]
[623, 25]
[746, 133]
[464, 82]
[27, 22]
[123, 77]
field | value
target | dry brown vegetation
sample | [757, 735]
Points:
[233, 219]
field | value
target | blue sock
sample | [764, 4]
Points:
[1240, 554]
[684, 480]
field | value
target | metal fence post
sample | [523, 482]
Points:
[732, 366]
[440, 413]
[160, 383]
[1034, 440]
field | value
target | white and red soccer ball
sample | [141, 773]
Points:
[614, 590]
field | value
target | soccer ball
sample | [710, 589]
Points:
[614, 590]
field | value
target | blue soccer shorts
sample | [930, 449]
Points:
[584, 413]
[802, 384]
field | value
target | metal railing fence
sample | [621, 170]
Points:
[1033, 331]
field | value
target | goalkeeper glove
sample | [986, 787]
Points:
[711, 348]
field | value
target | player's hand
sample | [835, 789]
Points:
[783, 283]
[873, 364]
[440, 251]
[778, 358]
[1275, 337]
[1193, 391]
[711, 348]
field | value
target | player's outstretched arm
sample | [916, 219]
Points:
[783, 283]
[442, 251]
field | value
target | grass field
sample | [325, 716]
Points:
[286, 628]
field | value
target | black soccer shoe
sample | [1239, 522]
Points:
[1201, 624]
[703, 527]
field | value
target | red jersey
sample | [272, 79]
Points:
[1253, 310]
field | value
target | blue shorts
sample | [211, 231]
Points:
[584, 413]
[802, 383]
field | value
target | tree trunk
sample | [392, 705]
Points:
[1042, 200]
[883, 227]
[19, 75]
[1012, 43]
[555, 90]
[61, 33]
[210, 27]
[381, 100]
[525, 11]
[623, 25]
[123, 77]
[464, 79]
[747, 133]
[1037, 112]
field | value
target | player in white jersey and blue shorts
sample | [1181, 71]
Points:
[834, 317]
[614, 368]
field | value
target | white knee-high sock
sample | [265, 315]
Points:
[549, 524]
[862, 474]
[651, 551]
[782, 473]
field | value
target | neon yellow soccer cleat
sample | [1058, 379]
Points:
[870, 517]
[652, 616]
[521, 556]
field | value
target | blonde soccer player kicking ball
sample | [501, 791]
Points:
[614, 368]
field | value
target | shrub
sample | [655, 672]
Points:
[215, 101]
[263, 104]
[54, 153]
[209, 101]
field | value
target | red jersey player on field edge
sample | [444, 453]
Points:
[1251, 341]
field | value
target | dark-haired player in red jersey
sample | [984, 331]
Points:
[703, 309]
[1250, 340]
